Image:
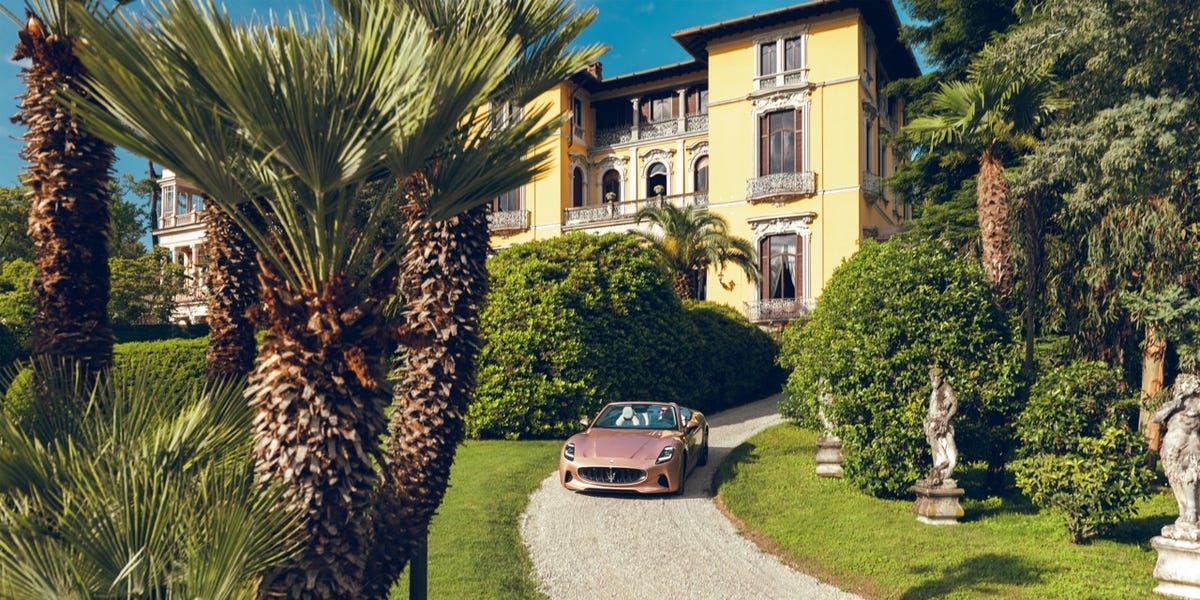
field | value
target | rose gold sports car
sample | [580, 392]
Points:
[644, 447]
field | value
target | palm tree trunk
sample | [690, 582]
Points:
[682, 285]
[68, 174]
[233, 293]
[992, 190]
[443, 283]
[319, 395]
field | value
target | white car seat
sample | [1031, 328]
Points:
[628, 418]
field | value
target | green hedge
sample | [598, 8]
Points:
[178, 364]
[580, 320]
[886, 316]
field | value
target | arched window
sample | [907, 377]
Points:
[577, 187]
[656, 176]
[611, 184]
[700, 176]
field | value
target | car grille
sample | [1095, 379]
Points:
[611, 475]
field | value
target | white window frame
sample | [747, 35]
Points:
[781, 77]
[798, 101]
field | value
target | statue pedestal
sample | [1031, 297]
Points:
[829, 456]
[1178, 567]
[938, 505]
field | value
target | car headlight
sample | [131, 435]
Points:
[569, 451]
[667, 454]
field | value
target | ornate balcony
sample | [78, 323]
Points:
[803, 183]
[508, 220]
[872, 185]
[786, 78]
[612, 136]
[777, 310]
[173, 220]
[616, 213]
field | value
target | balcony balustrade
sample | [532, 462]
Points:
[508, 220]
[803, 183]
[615, 213]
[775, 310]
[872, 185]
[652, 130]
[786, 78]
[188, 218]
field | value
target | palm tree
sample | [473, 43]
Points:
[68, 175]
[688, 242]
[136, 490]
[443, 282]
[295, 120]
[232, 283]
[990, 114]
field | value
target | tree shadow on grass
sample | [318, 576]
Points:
[743, 454]
[1139, 531]
[983, 574]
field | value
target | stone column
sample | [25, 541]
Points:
[637, 117]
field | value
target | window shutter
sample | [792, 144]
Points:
[764, 263]
[799, 270]
[799, 147]
[764, 150]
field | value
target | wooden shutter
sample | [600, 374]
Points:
[764, 263]
[764, 150]
[798, 148]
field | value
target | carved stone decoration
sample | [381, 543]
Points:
[698, 149]
[666, 157]
[780, 224]
[1178, 566]
[782, 100]
[938, 494]
[829, 446]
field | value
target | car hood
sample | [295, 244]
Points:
[621, 444]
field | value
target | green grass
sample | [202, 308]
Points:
[475, 548]
[1003, 548]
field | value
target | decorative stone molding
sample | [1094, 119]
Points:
[780, 224]
[508, 220]
[697, 122]
[697, 148]
[666, 157]
[613, 162]
[613, 135]
[781, 100]
[780, 186]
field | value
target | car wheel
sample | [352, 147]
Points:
[682, 476]
[703, 458]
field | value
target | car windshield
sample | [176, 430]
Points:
[637, 416]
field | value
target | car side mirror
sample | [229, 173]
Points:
[692, 423]
[585, 422]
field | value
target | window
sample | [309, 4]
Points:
[577, 187]
[780, 146]
[780, 258]
[183, 203]
[505, 114]
[198, 202]
[700, 176]
[697, 101]
[509, 201]
[168, 200]
[577, 117]
[611, 184]
[656, 177]
[793, 56]
[867, 147]
[781, 61]
[660, 109]
[768, 62]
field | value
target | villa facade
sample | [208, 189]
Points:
[777, 122]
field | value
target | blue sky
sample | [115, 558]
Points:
[638, 33]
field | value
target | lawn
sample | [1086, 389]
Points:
[475, 548]
[1003, 547]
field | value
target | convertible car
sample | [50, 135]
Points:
[644, 447]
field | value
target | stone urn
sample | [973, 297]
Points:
[829, 456]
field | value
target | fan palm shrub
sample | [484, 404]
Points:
[688, 241]
[144, 492]
[295, 119]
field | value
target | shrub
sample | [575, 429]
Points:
[178, 364]
[580, 320]
[16, 300]
[886, 316]
[1081, 457]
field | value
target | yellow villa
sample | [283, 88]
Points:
[775, 123]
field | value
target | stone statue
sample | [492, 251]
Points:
[939, 431]
[1181, 454]
[824, 403]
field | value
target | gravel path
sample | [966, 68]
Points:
[587, 546]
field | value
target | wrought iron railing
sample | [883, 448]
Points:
[508, 220]
[776, 310]
[872, 184]
[611, 136]
[803, 183]
[611, 213]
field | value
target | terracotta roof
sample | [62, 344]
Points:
[594, 85]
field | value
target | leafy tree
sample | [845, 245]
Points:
[434, 370]
[68, 173]
[886, 316]
[138, 490]
[16, 299]
[129, 219]
[14, 219]
[296, 119]
[144, 288]
[687, 242]
[991, 115]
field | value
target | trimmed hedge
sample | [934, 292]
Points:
[178, 364]
[577, 321]
[1082, 456]
[886, 316]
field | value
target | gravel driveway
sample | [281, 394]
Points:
[588, 546]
